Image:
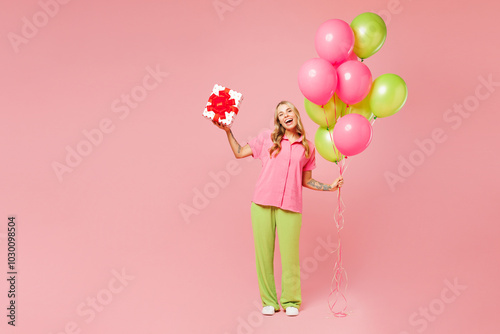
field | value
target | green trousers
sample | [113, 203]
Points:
[266, 221]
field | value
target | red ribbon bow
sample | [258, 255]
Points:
[221, 104]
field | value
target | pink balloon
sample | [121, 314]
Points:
[354, 81]
[350, 56]
[334, 40]
[352, 134]
[317, 80]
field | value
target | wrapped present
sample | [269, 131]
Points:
[222, 105]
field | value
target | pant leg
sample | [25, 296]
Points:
[288, 224]
[264, 231]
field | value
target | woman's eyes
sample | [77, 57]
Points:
[288, 112]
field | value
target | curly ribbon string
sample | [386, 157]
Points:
[337, 287]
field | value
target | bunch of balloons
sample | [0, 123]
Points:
[340, 95]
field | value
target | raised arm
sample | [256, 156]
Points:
[238, 151]
[309, 182]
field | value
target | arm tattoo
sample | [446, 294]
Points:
[318, 185]
[239, 147]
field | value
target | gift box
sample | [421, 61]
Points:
[222, 105]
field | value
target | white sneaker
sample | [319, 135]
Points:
[292, 311]
[268, 310]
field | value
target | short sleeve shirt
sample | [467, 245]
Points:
[280, 180]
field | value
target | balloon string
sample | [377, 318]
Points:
[337, 286]
[330, 133]
[338, 217]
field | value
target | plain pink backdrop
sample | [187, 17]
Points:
[119, 209]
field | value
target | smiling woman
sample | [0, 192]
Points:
[287, 123]
[288, 159]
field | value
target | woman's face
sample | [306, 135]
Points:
[287, 117]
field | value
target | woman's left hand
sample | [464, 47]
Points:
[337, 183]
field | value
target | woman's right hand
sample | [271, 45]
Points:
[222, 126]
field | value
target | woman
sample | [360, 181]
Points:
[288, 159]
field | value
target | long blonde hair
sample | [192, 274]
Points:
[279, 131]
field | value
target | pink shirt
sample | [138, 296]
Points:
[280, 180]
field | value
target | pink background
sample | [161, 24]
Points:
[119, 209]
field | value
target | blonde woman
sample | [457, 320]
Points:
[288, 159]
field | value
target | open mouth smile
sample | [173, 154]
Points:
[288, 121]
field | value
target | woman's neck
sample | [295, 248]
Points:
[292, 135]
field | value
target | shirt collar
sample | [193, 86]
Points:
[297, 141]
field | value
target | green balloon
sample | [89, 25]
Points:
[334, 109]
[370, 32]
[388, 94]
[324, 146]
[362, 108]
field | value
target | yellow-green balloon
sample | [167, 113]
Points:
[388, 94]
[324, 145]
[362, 108]
[334, 109]
[370, 32]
